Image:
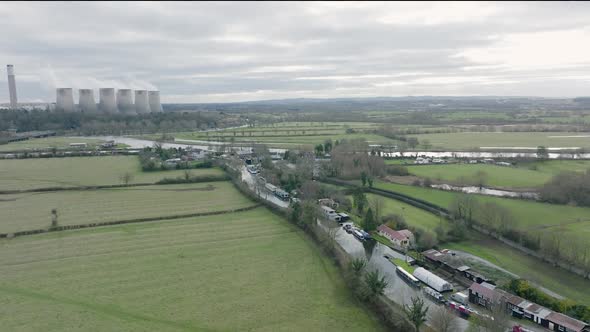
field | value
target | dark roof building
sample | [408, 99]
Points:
[488, 295]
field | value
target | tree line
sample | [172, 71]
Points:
[113, 124]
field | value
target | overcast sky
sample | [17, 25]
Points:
[223, 52]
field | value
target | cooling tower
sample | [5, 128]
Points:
[107, 102]
[154, 100]
[125, 101]
[65, 100]
[86, 101]
[11, 86]
[141, 102]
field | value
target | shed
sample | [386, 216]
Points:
[432, 280]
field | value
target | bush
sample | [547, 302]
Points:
[395, 221]
[397, 170]
[512, 234]
[568, 188]
[531, 243]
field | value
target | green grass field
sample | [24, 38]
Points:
[288, 141]
[557, 280]
[523, 175]
[401, 263]
[531, 216]
[496, 176]
[247, 271]
[18, 174]
[573, 223]
[414, 216]
[33, 210]
[49, 142]
[471, 140]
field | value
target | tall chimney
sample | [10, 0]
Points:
[12, 87]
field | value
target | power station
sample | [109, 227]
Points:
[154, 100]
[65, 100]
[125, 101]
[107, 102]
[111, 101]
[141, 102]
[86, 101]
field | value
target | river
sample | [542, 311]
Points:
[480, 155]
[137, 143]
[488, 191]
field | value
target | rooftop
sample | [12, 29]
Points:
[484, 289]
[568, 322]
[394, 234]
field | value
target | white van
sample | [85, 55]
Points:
[330, 214]
[460, 298]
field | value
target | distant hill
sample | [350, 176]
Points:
[417, 103]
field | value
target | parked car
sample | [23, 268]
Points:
[347, 228]
[366, 235]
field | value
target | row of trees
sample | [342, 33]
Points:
[350, 158]
[113, 124]
[568, 188]
[153, 159]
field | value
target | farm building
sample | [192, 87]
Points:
[561, 322]
[447, 261]
[403, 238]
[432, 280]
[485, 294]
[488, 295]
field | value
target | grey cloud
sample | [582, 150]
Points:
[221, 51]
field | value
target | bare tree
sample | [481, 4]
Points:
[463, 207]
[481, 179]
[443, 320]
[332, 237]
[377, 203]
[53, 218]
[126, 178]
[416, 312]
